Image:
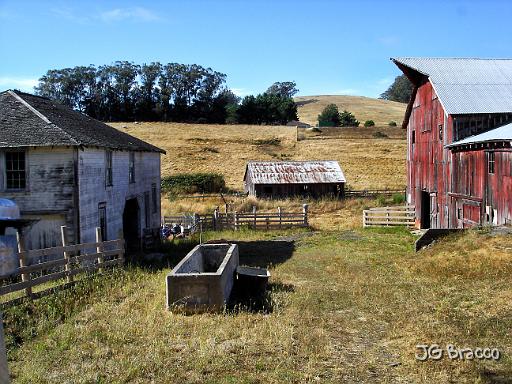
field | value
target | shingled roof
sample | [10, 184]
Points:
[33, 121]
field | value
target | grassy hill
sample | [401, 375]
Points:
[364, 108]
[226, 149]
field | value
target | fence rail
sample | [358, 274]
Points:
[373, 192]
[73, 260]
[236, 220]
[389, 216]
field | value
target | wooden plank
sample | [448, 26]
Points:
[41, 266]
[14, 287]
[46, 278]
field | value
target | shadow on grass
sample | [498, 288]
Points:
[258, 253]
[265, 253]
[305, 102]
[256, 302]
[490, 377]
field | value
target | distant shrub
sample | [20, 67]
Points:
[369, 123]
[392, 123]
[381, 200]
[398, 198]
[193, 183]
[348, 119]
[330, 116]
[380, 135]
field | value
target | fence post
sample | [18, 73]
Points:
[215, 218]
[280, 218]
[25, 277]
[236, 220]
[254, 213]
[99, 248]
[305, 214]
[67, 266]
[4, 369]
[364, 218]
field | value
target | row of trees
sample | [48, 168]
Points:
[124, 91]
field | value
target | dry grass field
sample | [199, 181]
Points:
[226, 149]
[346, 304]
[364, 108]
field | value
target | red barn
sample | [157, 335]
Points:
[459, 136]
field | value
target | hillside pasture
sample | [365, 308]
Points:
[226, 149]
[364, 108]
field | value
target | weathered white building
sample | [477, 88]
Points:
[65, 168]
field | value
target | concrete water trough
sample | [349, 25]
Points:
[203, 280]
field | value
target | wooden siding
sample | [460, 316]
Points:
[456, 186]
[285, 190]
[93, 190]
[49, 195]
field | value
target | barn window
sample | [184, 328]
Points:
[413, 137]
[108, 168]
[15, 170]
[154, 198]
[490, 162]
[102, 220]
[440, 131]
[131, 170]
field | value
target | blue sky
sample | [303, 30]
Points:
[326, 47]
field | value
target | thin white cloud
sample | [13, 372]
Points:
[68, 13]
[23, 84]
[134, 14]
[389, 40]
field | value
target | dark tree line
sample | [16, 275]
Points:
[400, 90]
[124, 91]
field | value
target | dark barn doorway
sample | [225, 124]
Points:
[425, 209]
[131, 220]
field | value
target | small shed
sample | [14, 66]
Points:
[274, 179]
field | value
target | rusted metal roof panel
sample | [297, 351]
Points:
[294, 172]
[498, 134]
[467, 85]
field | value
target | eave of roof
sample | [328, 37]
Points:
[501, 134]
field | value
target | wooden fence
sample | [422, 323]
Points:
[374, 192]
[400, 215]
[73, 260]
[237, 220]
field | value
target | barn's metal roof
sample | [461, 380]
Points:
[467, 85]
[294, 172]
[503, 133]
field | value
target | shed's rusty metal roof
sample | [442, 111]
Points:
[294, 172]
